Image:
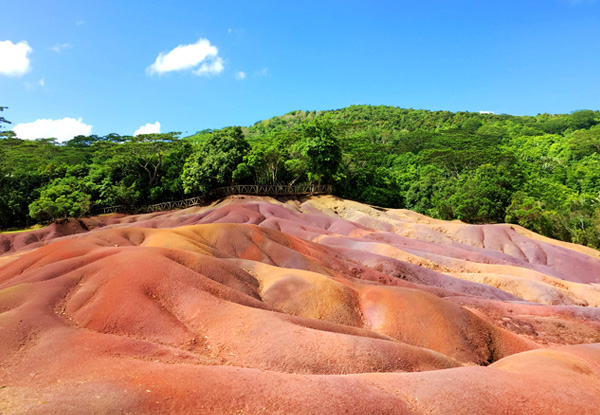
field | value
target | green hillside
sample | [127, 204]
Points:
[542, 172]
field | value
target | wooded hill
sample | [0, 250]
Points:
[542, 172]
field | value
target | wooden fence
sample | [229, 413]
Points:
[245, 189]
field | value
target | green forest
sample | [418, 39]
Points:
[541, 172]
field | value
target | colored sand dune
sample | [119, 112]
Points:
[327, 306]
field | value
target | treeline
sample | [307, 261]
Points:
[43, 180]
[542, 172]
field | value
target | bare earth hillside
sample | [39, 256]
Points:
[254, 306]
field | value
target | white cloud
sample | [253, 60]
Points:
[262, 72]
[240, 75]
[59, 47]
[235, 32]
[63, 130]
[14, 60]
[148, 129]
[200, 55]
[486, 112]
[30, 87]
[209, 69]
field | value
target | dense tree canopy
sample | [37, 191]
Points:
[542, 172]
[321, 148]
[62, 198]
[215, 161]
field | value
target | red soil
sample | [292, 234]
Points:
[254, 306]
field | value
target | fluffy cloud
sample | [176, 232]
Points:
[201, 55]
[148, 129]
[14, 60]
[213, 68]
[240, 75]
[63, 130]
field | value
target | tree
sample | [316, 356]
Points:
[2, 119]
[26, 166]
[322, 150]
[423, 188]
[133, 170]
[447, 165]
[530, 213]
[170, 184]
[62, 198]
[582, 119]
[7, 134]
[12, 204]
[583, 175]
[483, 195]
[266, 161]
[585, 142]
[149, 152]
[215, 161]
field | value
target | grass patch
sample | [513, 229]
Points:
[18, 230]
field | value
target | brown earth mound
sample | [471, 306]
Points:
[327, 306]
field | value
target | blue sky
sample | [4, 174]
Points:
[114, 66]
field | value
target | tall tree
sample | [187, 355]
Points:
[322, 150]
[215, 161]
[62, 198]
[149, 152]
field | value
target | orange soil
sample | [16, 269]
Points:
[327, 306]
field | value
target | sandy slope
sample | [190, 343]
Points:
[327, 306]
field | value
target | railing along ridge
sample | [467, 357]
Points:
[244, 189]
